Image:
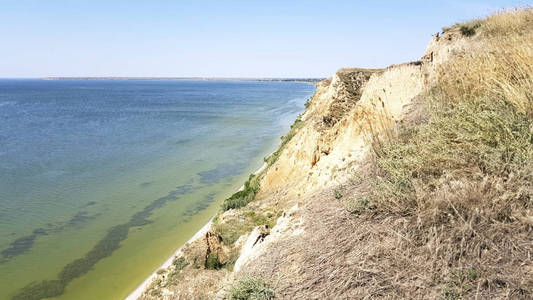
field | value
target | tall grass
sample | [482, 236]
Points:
[481, 120]
[464, 178]
[500, 67]
[478, 140]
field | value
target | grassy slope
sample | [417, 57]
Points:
[463, 180]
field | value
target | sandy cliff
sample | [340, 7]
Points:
[298, 236]
[345, 110]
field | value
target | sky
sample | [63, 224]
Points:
[272, 38]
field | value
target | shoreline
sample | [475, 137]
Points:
[139, 290]
[142, 287]
[231, 79]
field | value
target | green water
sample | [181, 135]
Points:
[102, 181]
[135, 260]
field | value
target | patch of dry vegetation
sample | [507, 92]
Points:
[461, 185]
[243, 222]
[251, 288]
[189, 276]
[466, 28]
[500, 69]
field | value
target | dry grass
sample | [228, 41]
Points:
[501, 66]
[461, 185]
[188, 277]
[467, 28]
[251, 288]
[480, 121]
[479, 141]
[243, 222]
[445, 207]
[395, 256]
[513, 21]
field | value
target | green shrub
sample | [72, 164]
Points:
[459, 283]
[360, 205]
[180, 263]
[308, 103]
[231, 231]
[472, 273]
[337, 194]
[258, 219]
[251, 288]
[244, 196]
[212, 262]
[466, 28]
[298, 123]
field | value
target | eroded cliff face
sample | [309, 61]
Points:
[317, 239]
[345, 110]
[345, 114]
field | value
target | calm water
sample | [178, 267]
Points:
[115, 175]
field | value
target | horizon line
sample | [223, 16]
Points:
[201, 78]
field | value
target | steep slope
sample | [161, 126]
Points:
[414, 181]
[336, 124]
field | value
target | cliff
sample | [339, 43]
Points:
[413, 181]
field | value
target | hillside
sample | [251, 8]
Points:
[414, 181]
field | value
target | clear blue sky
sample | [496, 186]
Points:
[219, 38]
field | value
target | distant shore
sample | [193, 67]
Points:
[188, 79]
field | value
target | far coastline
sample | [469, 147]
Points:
[262, 79]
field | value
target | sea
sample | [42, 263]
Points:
[102, 180]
